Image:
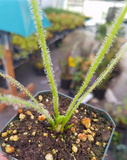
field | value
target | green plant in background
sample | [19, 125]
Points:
[59, 122]
[117, 138]
[27, 45]
[59, 11]
[49, 35]
[16, 56]
[118, 113]
[69, 21]
[121, 152]
[81, 67]
[101, 31]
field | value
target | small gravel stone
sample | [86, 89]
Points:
[73, 129]
[89, 131]
[77, 140]
[49, 156]
[42, 117]
[104, 144]
[54, 151]
[22, 116]
[4, 134]
[4, 144]
[34, 133]
[90, 138]
[40, 98]
[82, 136]
[75, 134]
[98, 143]
[25, 133]
[86, 122]
[12, 124]
[45, 134]
[74, 149]
[15, 138]
[9, 149]
[32, 117]
[29, 113]
[15, 131]
[93, 134]
[76, 111]
[91, 128]
[6, 139]
[95, 120]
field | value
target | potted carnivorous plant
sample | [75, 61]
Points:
[52, 126]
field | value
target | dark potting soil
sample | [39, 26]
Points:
[35, 140]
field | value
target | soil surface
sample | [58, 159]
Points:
[28, 138]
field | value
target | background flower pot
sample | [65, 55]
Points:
[39, 68]
[99, 111]
[99, 93]
[65, 83]
[71, 92]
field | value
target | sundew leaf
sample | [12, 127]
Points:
[103, 50]
[11, 100]
[99, 79]
[19, 85]
[37, 14]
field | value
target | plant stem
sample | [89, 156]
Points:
[45, 56]
[105, 46]
[98, 81]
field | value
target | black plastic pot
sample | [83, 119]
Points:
[16, 62]
[2, 82]
[99, 111]
[71, 92]
[99, 93]
[65, 83]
